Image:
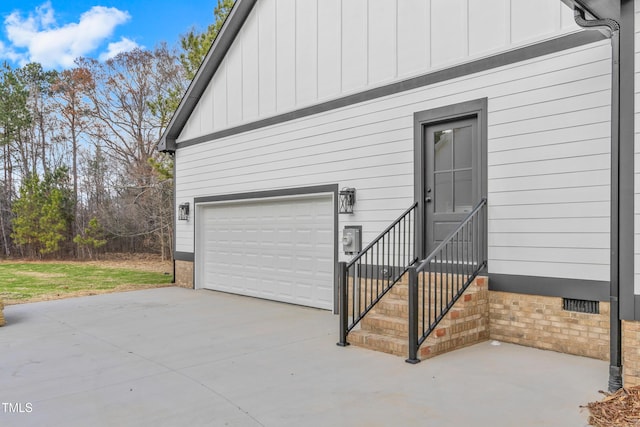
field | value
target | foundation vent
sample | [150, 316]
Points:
[581, 305]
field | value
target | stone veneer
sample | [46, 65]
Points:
[184, 274]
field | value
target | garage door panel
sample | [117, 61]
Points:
[279, 249]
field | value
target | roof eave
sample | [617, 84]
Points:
[599, 9]
[210, 64]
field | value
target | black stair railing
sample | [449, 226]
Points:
[440, 280]
[368, 276]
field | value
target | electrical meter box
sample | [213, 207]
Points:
[352, 239]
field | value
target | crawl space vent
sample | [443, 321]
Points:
[581, 305]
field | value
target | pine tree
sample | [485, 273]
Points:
[196, 45]
[42, 213]
[92, 237]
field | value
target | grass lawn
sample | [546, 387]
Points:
[30, 281]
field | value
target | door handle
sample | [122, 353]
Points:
[427, 198]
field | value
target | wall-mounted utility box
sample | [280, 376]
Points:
[352, 239]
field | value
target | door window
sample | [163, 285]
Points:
[453, 170]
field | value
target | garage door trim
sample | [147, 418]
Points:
[286, 193]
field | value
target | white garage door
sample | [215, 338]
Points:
[279, 249]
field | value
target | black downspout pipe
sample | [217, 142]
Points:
[172, 154]
[615, 330]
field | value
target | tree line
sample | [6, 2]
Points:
[79, 169]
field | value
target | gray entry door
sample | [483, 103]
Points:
[451, 177]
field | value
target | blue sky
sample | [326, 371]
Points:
[55, 32]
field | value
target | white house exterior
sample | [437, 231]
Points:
[298, 99]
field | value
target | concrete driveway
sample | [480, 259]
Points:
[176, 357]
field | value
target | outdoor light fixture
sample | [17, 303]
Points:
[347, 200]
[183, 211]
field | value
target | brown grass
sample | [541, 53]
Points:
[141, 262]
[84, 293]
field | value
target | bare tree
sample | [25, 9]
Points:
[129, 119]
[71, 88]
[100, 121]
[39, 135]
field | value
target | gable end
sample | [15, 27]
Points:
[210, 64]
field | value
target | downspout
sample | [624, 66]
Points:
[615, 329]
[172, 154]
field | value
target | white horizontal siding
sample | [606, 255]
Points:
[294, 53]
[595, 193]
[557, 269]
[550, 210]
[594, 224]
[548, 177]
[588, 178]
[543, 255]
[548, 240]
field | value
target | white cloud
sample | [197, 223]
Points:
[37, 38]
[10, 54]
[124, 45]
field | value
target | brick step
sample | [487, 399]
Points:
[387, 344]
[399, 308]
[384, 343]
[393, 307]
[399, 327]
[432, 299]
[440, 341]
[395, 302]
[434, 345]
[402, 290]
[453, 329]
[385, 328]
[404, 280]
[385, 325]
[396, 307]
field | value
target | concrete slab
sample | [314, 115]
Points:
[175, 357]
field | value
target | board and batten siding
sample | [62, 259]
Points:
[548, 161]
[295, 53]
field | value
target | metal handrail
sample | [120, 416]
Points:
[365, 279]
[421, 267]
[373, 243]
[440, 279]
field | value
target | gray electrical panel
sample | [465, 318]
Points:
[352, 239]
